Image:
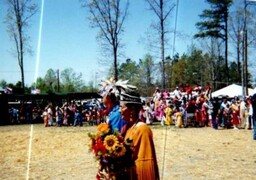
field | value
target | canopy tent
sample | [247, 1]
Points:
[232, 91]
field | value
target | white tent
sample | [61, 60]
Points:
[232, 91]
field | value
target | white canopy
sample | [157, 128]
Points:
[232, 91]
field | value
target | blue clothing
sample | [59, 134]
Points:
[254, 115]
[254, 127]
[115, 119]
[78, 118]
[59, 118]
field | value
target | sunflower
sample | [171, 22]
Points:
[110, 142]
[120, 150]
[103, 127]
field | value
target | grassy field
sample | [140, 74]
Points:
[186, 153]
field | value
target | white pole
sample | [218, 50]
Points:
[29, 150]
[39, 41]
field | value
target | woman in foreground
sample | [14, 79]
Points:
[141, 135]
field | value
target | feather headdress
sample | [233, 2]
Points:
[115, 87]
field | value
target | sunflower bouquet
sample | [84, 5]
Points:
[113, 153]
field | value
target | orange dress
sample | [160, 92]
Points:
[144, 152]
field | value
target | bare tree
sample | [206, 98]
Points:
[214, 48]
[241, 37]
[17, 19]
[162, 9]
[108, 16]
[236, 29]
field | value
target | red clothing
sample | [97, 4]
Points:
[199, 113]
[235, 114]
[204, 114]
[188, 89]
[235, 118]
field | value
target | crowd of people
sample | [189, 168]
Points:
[73, 114]
[68, 114]
[182, 107]
[195, 106]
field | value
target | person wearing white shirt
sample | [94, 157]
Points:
[249, 119]
[243, 114]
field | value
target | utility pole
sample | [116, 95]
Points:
[246, 63]
[245, 48]
[58, 80]
[243, 66]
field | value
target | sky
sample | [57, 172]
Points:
[68, 41]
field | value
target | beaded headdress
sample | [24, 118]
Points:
[130, 97]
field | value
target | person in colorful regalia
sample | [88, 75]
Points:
[144, 154]
[204, 112]
[45, 117]
[198, 113]
[235, 115]
[168, 114]
[109, 92]
[254, 115]
[178, 115]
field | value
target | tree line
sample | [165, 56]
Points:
[194, 69]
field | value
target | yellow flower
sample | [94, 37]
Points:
[120, 150]
[110, 142]
[103, 127]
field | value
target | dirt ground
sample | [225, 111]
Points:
[186, 153]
